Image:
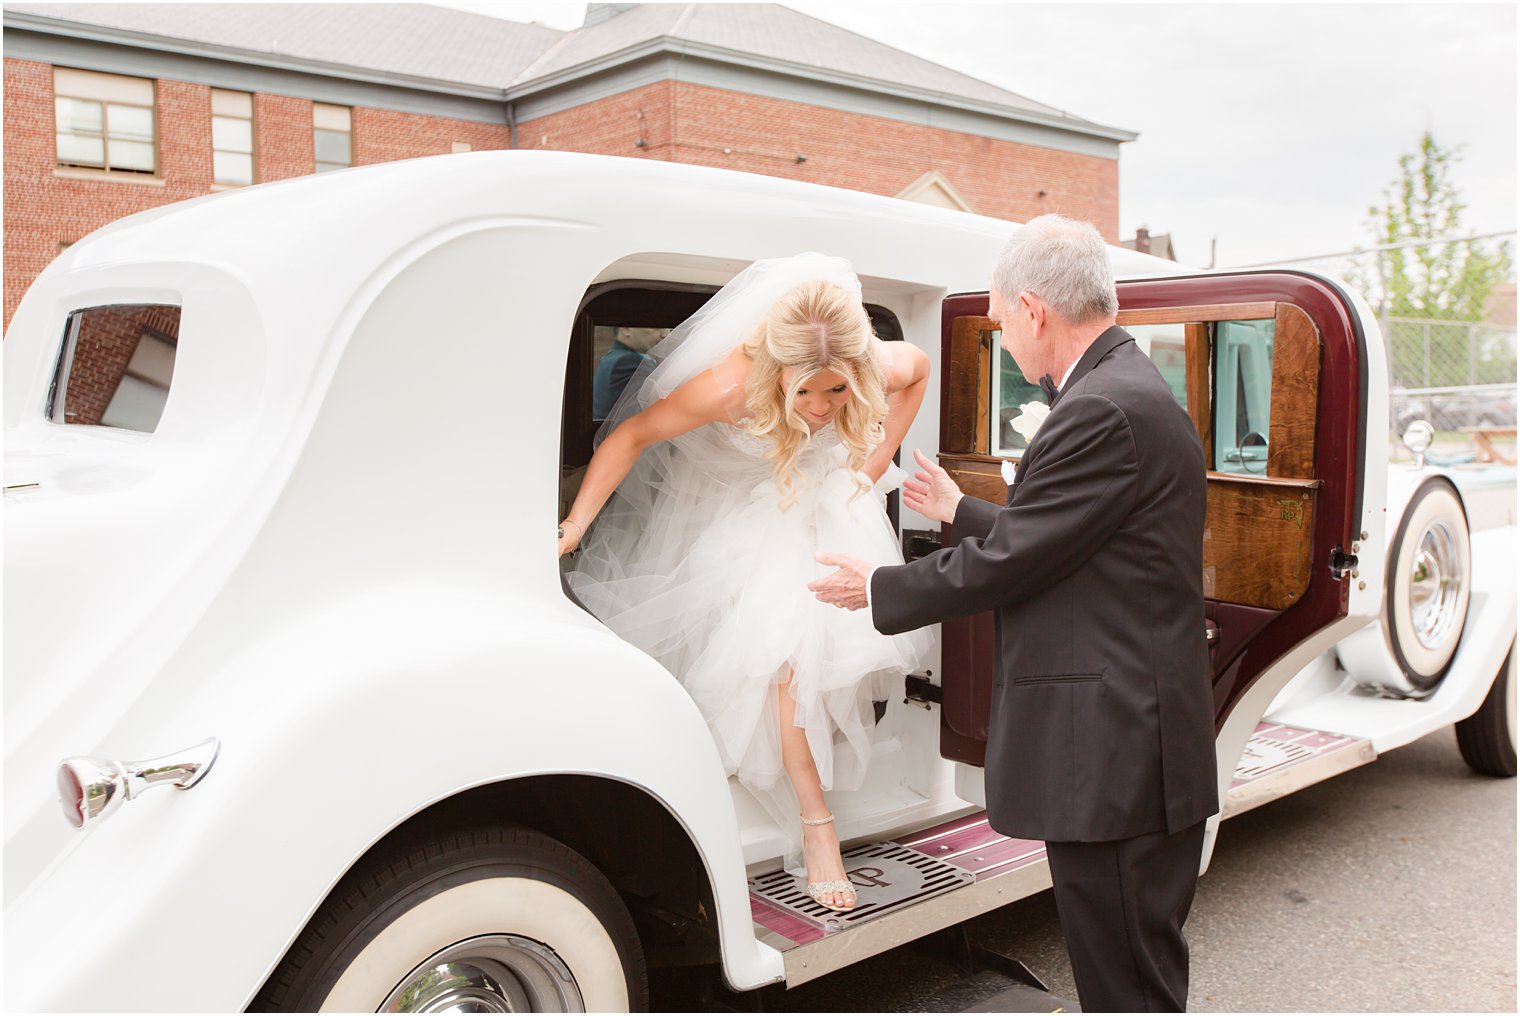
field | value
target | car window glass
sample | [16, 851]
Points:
[1011, 392]
[115, 366]
[1242, 396]
[1165, 344]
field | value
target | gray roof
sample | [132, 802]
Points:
[423, 42]
[776, 33]
[410, 40]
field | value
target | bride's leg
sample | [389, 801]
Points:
[820, 843]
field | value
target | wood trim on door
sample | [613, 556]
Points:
[969, 385]
[1295, 394]
[1204, 312]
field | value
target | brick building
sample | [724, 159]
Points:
[112, 109]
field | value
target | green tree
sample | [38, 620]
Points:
[1432, 281]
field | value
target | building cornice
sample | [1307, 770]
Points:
[647, 48]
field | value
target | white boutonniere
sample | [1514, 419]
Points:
[1031, 415]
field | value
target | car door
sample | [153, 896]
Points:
[1273, 370]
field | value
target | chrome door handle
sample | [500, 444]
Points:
[90, 789]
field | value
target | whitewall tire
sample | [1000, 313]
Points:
[484, 920]
[1429, 583]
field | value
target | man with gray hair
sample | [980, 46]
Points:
[1101, 738]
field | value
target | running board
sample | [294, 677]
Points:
[988, 869]
[1279, 760]
[954, 871]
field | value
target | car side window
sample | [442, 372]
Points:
[1011, 392]
[1165, 344]
[115, 366]
[1248, 376]
[1242, 396]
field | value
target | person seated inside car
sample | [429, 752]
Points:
[618, 365]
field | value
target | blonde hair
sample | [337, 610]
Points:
[816, 327]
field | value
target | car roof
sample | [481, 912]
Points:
[385, 206]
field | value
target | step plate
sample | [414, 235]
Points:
[1280, 759]
[885, 875]
[974, 845]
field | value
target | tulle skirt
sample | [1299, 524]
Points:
[715, 588]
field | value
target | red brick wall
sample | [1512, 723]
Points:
[610, 126]
[707, 126]
[381, 135]
[281, 137]
[44, 211]
[677, 121]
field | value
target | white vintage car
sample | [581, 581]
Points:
[282, 472]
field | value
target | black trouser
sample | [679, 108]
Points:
[1122, 904]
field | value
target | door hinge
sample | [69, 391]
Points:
[920, 689]
[1342, 562]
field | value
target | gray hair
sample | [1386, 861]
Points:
[1062, 261]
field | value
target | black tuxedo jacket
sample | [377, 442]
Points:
[1102, 707]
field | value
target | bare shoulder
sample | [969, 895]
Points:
[730, 376]
[716, 393]
[902, 364]
[734, 368]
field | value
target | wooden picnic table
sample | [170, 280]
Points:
[1484, 450]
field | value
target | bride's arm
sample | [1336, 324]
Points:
[905, 393]
[697, 402]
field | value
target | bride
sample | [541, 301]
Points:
[759, 432]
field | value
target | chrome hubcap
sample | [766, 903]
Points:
[492, 973]
[1435, 586]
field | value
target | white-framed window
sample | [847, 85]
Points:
[231, 138]
[105, 121]
[332, 136]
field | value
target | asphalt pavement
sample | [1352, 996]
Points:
[1390, 888]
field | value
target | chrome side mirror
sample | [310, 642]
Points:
[1417, 438]
[90, 789]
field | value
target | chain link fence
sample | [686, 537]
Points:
[1447, 313]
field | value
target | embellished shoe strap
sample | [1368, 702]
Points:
[842, 885]
[818, 821]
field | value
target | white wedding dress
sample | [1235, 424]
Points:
[694, 561]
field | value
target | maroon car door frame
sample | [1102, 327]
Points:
[1249, 639]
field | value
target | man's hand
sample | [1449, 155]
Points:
[933, 494]
[845, 588]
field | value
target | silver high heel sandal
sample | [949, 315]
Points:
[842, 885]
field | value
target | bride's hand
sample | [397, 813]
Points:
[569, 537]
[931, 492]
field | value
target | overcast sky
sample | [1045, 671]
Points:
[1270, 126]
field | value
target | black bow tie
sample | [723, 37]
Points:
[1049, 388]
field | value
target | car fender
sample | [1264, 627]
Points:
[333, 731]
